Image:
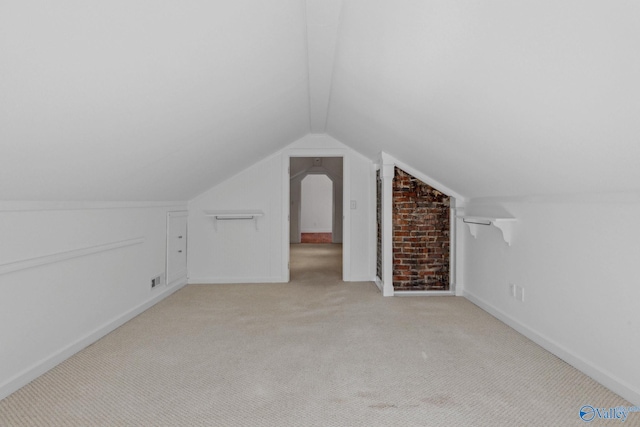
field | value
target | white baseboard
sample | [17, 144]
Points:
[380, 286]
[423, 294]
[237, 280]
[361, 279]
[39, 368]
[602, 376]
[233, 280]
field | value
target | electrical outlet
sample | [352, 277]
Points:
[520, 293]
[512, 290]
[156, 281]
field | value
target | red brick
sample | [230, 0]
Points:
[421, 234]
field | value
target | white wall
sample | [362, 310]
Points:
[148, 101]
[236, 252]
[444, 91]
[70, 273]
[577, 261]
[317, 204]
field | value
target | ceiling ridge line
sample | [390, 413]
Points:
[333, 67]
[306, 46]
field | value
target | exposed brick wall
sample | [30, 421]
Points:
[420, 235]
[316, 237]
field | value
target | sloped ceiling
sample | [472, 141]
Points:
[145, 99]
[494, 98]
[160, 100]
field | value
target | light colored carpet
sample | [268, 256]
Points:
[313, 352]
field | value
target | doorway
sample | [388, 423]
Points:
[316, 214]
[316, 209]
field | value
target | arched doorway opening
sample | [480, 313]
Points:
[316, 209]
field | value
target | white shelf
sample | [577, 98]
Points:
[232, 215]
[504, 224]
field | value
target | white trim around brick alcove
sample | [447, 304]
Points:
[387, 164]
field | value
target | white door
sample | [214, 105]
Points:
[176, 247]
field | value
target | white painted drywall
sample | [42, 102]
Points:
[129, 100]
[323, 19]
[493, 98]
[236, 252]
[50, 311]
[316, 204]
[122, 100]
[577, 262]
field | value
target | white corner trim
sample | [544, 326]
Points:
[389, 159]
[602, 376]
[39, 368]
[24, 264]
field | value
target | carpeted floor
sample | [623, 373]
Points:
[313, 352]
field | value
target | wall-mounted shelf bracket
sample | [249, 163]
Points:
[505, 225]
[232, 215]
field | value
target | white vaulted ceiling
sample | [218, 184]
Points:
[145, 99]
[160, 100]
[495, 98]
